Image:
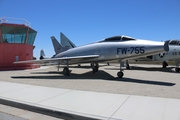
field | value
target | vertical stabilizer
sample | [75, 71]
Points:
[42, 54]
[66, 42]
[57, 46]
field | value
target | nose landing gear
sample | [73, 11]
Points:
[120, 74]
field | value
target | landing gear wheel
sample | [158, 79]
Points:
[164, 64]
[120, 74]
[177, 69]
[66, 71]
[127, 67]
[95, 69]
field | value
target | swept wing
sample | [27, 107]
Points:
[58, 59]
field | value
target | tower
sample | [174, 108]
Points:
[16, 43]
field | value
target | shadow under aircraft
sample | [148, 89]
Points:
[100, 75]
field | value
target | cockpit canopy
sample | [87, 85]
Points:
[117, 39]
[174, 42]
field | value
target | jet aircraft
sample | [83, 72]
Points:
[113, 48]
[172, 55]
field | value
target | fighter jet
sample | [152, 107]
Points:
[113, 48]
[172, 55]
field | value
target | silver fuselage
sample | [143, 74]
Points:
[108, 51]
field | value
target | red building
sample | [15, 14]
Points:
[16, 44]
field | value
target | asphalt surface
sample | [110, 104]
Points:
[141, 79]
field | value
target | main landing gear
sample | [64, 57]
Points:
[164, 64]
[95, 67]
[177, 69]
[66, 71]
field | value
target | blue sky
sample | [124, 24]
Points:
[86, 21]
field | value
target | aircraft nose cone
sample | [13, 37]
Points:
[166, 46]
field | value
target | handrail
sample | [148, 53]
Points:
[14, 21]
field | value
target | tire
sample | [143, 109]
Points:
[120, 74]
[164, 65]
[66, 71]
[95, 69]
[177, 69]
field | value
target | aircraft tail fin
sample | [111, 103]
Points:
[57, 46]
[66, 42]
[42, 54]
